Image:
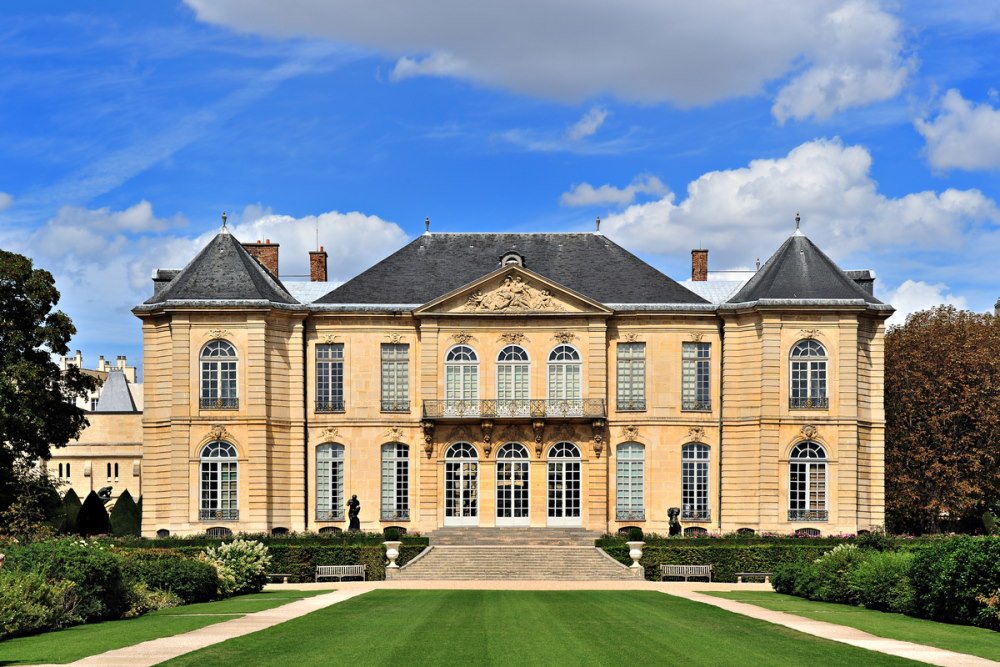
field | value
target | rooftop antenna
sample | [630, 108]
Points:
[427, 225]
[597, 223]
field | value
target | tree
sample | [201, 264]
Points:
[36, 510]
[125, 516]
[93, 517]
[942, 408]
[71, 506]
[37, 400]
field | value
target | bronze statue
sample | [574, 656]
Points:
[675, 525]
[104, 493]
[353, 509]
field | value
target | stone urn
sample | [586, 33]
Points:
[392, 553]
[635, 553]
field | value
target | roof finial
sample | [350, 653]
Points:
[798, 219]
[427, 225]
[597, 222]
[224, 218]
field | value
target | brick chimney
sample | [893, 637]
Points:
[699, 265]
[266, 253]
[317, 265]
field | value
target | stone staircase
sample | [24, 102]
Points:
[565, 554]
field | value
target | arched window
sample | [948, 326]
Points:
[694, 483]
[461, 382]
[808, 375]
[395, 482]
[219, 482]
[565, 384]
[218, 376]
[630, 478]
[330, 482]
[513, 393]
[60, 470]
[807, 483]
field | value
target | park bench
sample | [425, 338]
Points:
[741, 576]
[339, 571]
[685, 571]
[279, 575]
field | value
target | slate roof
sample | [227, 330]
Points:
[801, 271]
[434, 264]
[714, 291]
[115, 394]
[223, 271]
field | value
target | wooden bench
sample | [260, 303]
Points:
[740, 576]
[685, 571]
[279, 575]
[339, 571]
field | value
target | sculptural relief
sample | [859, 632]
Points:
[514, 294]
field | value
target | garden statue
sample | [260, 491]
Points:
[104, 493]
[353, 509]
[675, 525]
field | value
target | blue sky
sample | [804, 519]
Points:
[127, 128]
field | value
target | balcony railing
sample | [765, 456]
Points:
[330, 405]
[630, 515]
[396, 406]
[396, 515]
[220, 403]
[330, 515]
[809, 403]
[528, 409]
[696, 515]
[625, 405]
[697, 406]
[807, 515]
[218, 515]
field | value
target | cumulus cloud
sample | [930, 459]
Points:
[915, 295]
[587, 125]
[962, 135]
[585, 194]
[5, 200]
[839, 53]
[745, 213]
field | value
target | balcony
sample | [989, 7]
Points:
[395, 515]
[630, 515]
[330, 515]
[586, 408]
[396, 406]
[330, 405]
[631, 405]
[807, 515]
[696, 406]
[696, 515]
[220, 403]
[218, 515]
[809, 403]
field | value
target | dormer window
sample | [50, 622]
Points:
[512, 258]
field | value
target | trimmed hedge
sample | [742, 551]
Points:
[726, 559]
[167, 570]
[950, 576]
[345, 538]
[125, 519]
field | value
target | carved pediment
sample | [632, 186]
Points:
[514, 294]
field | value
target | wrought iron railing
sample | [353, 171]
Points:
[330, 405]
[807, 515]
[702, 406]
[396, 406]
[535, 408]
[630, 515]
[630, 405]
[809, 402]
[217, 403]
[396, 515]
[696, 515]
[218, 515]
[330, 515]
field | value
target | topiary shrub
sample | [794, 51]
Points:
[882, 581]
[635, 534]
[949, 575]
[125, 516]
[190, 579]
[241, 564]
[71, 508]
[392, 534]
[93, 517]
[29, 603]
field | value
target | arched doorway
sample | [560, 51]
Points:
[461, 485]
[564, 485]
[512, 485]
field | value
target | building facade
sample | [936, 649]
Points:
[512, 380]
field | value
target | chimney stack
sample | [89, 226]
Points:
[317, 265]
[266, 253]
[699, 265]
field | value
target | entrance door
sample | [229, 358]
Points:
[461, 485]
[512, 485]
[564, 485]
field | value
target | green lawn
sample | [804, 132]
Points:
[527, 628]
[961, 638]
[84, 640]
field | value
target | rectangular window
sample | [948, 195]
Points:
[330, 483]
[807, 491]
[630, 474]
[330, 378]
[694, 483]
[631, 376]
[395, 378]
[696, 360]
[219, 491]
[395, 482]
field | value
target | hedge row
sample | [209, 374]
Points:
[726, 559]
[346, 538]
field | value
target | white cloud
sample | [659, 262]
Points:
[585, 194]
[915, 295]
[963, 135]
[5, 200]
[587, 125]
[745, 213]
[842, 53]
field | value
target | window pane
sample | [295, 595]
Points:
[631, 376]
[696, 390]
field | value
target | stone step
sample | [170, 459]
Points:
[522, 562]
[513, 536]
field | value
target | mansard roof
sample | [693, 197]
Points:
[436, 264]
[223, 271]
[115, 394]
[799, 271]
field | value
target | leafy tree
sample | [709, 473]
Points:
[125, 515]
[37, 409]
[36, 510]
[71, 507]
[942, 405]
[93, 517]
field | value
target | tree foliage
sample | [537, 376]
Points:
[71, 508]
[942, 405]
[125, 516]
[36, 510]
[37, 408]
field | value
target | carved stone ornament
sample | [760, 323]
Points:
[630, 432]
[462, 337]
[697, 336]
[565, 433]
[696, 433]
[809, 431]
[564, 337]
[487, 448]
[597, 427]
[395, 338]
[809, 333]
[631, 337]
[218, 333]
[460, 434]
[514, 295]
[219, 432]
[395, 433]
[487, 426]
[428, 429]
[329, 433]
[510, 433]
[513, 338]
[538, 426]
[328, 339]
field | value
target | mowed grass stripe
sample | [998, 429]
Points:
[961, 638]
[528, 628]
